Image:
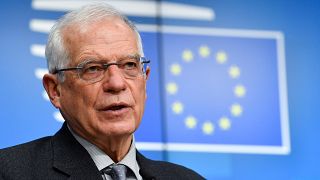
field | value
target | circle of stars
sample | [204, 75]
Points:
[208, 127]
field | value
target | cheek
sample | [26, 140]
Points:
[78, 101]
[140, 98]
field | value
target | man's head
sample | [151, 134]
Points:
[112, 105]
[56, 53]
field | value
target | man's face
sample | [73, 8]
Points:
[113, 106]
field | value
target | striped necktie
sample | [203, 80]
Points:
[116, 171]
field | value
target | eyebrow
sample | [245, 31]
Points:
[96, 59]
[136, 55]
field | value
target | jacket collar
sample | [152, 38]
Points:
[70, 158]
[153, 170]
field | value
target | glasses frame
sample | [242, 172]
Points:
[142, 60]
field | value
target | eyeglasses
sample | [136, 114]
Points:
[93, 71]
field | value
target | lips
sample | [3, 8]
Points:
[114, 107]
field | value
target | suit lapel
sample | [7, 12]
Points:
[147, 171]
[70, 158]
[150, 170]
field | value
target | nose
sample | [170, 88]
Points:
[114, 81]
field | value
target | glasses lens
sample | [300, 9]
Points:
[94, 71]
[91, 71]
[130, 67]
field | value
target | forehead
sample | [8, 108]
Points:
[108, 38]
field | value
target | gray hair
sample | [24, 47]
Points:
[57, 55]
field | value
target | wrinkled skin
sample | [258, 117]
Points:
[87, 107]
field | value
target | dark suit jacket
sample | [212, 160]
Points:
[62, 157]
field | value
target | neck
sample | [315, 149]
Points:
[115, 147]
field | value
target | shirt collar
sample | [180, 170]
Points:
[102, 160]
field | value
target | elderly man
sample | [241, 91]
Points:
[97, 79]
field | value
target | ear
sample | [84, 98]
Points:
[147, 77]
[147, 73]
[52, 86]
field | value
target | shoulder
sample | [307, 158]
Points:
[28, 148]
[25, 156]
[175, 170]
[166, 170]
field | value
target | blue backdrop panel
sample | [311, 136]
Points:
[210, 88]
[192, 96]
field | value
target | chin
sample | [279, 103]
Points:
[119, 129]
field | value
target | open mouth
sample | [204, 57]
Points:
[116, 107]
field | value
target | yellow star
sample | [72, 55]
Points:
[172, 88]
[224, 123]
[208, 127]
[175, 69]
[204, 51]
[234, 71]
[221, 57]
[236, 110]
[187, 56]
[177, 107]
[239, 90]
[190, 122]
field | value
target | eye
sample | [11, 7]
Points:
[130, 64]
[92, 68]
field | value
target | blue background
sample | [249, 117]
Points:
[24, 115]
[206, 90]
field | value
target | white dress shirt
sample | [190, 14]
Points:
[102, 160]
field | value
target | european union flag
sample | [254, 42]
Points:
[225, 90]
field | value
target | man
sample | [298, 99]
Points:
[97, 80]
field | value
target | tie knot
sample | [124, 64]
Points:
[116, 171]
